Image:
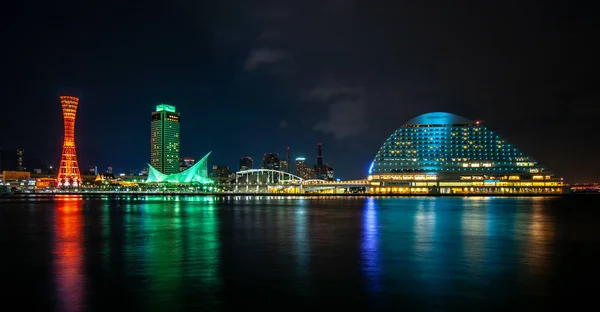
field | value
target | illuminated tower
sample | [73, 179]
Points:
[164, 144]
[68, 171]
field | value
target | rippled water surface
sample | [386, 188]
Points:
[196, 253]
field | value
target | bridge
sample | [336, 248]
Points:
[275, 181]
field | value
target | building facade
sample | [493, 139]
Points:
[164, 139]
[185, 163]
[448, 154]
[271, 161]
[284, 165]
[302, 169]
[246, 163]
[220, 171]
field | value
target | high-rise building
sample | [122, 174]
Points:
[320, 154]
[286, 165]
[246, 163]
[302, 170]
[68, 171]
[320, 171]
[271, 161]
[164, 138]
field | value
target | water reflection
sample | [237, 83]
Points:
[424, 229]
[301, 239]
[163, 251]
[431, 248]
[371, 266]
[475, 235]
[389, 253]
[541, 235]
[68, 254]
[202, 250]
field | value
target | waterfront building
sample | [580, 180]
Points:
[246, 163]
[68, 170]
[271, 161]
[448, 154]
[198, 173]
[164, 139]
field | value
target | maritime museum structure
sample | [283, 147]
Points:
[442, 153]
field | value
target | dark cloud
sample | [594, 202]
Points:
[345, 109]
[263, 56]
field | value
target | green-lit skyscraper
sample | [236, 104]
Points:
[164, 139]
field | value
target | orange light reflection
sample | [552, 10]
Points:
[68, 253]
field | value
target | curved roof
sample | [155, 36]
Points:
[196, 173]
[439, 118]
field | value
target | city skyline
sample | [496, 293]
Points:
[258, 78]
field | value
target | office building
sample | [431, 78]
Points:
[286, 165]
[302, 170]
[164, 139]
[271, 161]
[246, 163]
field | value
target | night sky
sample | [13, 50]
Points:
[251, 77]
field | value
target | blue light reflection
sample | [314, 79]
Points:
[371, 266]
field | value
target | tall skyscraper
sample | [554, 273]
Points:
[246, 163]
[271, 161]
[68, 171]
[164, 138]
[320, 154]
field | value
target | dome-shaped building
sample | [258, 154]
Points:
[442, 153]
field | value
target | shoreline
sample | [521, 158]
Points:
[309, 195]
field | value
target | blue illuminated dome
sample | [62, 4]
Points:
[439, 118]
[451, 153]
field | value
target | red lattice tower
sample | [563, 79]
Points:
[68, 172]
